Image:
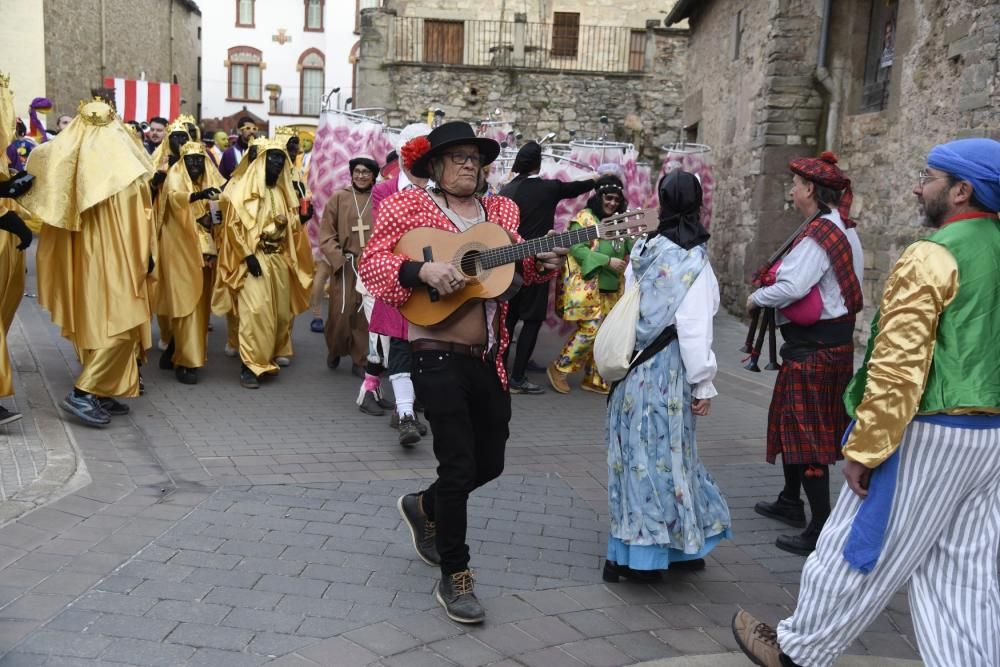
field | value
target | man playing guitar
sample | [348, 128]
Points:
[458, 370]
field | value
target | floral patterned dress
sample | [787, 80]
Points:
[663, 503]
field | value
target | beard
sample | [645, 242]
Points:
[934, 210]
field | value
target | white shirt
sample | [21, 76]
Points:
[694, 322]
[807, 264]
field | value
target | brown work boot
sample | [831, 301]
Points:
[758, 640]
[557, 379]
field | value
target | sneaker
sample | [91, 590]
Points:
[594, 388]
[456, 595]
[421, 427]
[229, 350]
[532, 367]
[8, 416]
[283, 362]
[408, 433]
[162, 345]
[86, 408]
[557, 379]
[113, 407]
[422, 531]
[316, 326]
[757, 640]
[790, 512]
[248, 379]
[186, 375]
[384, 402]
[369, 405]
[523, 386]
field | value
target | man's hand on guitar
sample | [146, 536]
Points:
[552, 260]
[442, 276]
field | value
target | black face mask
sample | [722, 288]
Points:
[251, 154]
[274, 162]
[177, 139]
[195, 165]
[292, 147]
[192, 131]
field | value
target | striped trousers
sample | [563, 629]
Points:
[942, 540]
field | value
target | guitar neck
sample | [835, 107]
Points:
[516, 252]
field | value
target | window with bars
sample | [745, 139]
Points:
[565, 34]
[314, 15]
[311, 69]
[244, 13]
[245, 67]
[879, 55]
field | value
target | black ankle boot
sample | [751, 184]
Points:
[613, 572]
[802, 544]
[791, 512]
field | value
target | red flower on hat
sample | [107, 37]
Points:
[413, 150]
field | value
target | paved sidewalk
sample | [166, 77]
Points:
[222, 526]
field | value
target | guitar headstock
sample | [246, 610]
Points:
[630, 223]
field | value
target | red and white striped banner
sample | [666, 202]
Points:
[141, 100]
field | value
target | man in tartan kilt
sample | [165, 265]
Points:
[807, 418]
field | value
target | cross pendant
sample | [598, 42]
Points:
[361, 228]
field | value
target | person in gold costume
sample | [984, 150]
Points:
[95, 250]
[187, 260]
[15, 237]
[264, 259]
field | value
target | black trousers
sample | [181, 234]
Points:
[469, 414]
[400, 357]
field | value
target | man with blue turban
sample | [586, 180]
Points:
[923, 453]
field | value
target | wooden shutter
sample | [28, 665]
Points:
[565, 33]
[444, 41]
[637, 50]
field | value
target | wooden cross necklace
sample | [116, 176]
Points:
[361, 227]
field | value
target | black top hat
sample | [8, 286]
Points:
[455, 133]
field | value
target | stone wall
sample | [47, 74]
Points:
[136, 38]
[769, 105]
[643, 108]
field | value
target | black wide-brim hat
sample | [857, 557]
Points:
[455, 133]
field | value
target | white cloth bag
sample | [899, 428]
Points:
[614, 346]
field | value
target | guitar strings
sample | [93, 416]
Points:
[508, 254]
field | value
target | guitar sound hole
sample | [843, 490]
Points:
[470, 263]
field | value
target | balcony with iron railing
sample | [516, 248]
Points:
[518, 45]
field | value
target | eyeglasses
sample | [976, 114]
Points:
[923, 176]
[361, 171]
[462, 158]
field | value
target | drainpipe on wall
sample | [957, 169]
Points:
[171, 53]
[830, 86]
[104, 56]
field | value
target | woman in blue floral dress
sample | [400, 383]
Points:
[666, 510]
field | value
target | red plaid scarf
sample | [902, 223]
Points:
[834, 242]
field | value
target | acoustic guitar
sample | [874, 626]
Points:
[485, 255]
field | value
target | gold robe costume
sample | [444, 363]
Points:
[263, 221]
[11, 259]
[186, 259]
[342, 238]
[92, 194]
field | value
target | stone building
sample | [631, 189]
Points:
[879, 82]
[87, 41]
[550, 66]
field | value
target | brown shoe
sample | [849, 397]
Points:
[557, 379]
[597, 389]
[758, 640]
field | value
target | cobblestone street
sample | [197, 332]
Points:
[220, 526]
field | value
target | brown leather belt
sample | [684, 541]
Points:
[428, 345]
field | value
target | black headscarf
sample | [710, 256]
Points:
[609, 183]
[680, 210]
[528, 159]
